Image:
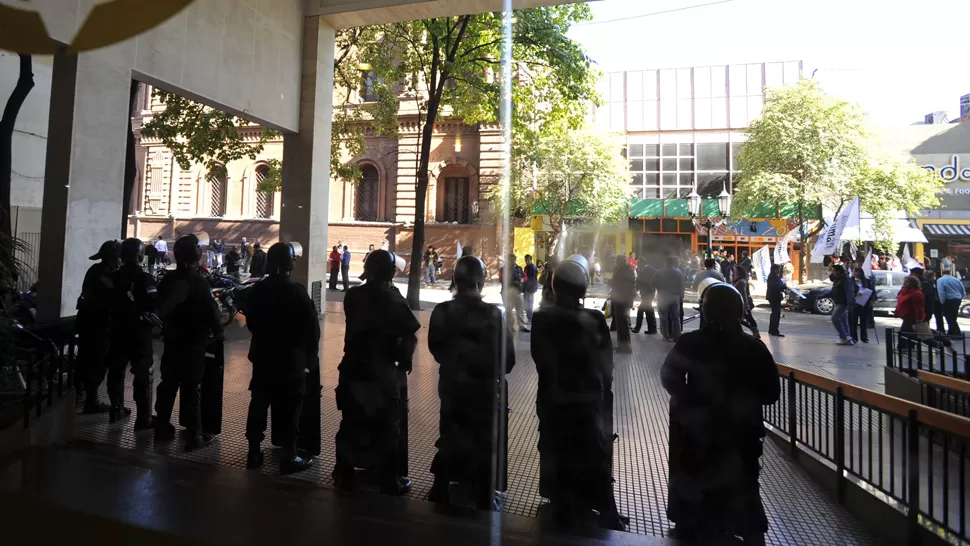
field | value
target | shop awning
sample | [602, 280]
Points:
[947, 230]
[904, 231]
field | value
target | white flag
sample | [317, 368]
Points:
[781, 251]
[765, 262]
[828, 242]
[867, 265]
[459, 251]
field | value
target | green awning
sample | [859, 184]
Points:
[646, 208]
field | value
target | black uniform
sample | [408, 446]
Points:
[189, 316]
[93, 327]
[573, 353]
[379, 345]
[285, 343]
[465, 337]
[623, 291]
[718, 382]
[647, 292]
[257, 267]
[131, 338]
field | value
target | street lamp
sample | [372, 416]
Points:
[724, 202]
[695, 208]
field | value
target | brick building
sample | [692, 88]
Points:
[465, 161]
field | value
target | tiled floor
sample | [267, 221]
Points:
[799, 511]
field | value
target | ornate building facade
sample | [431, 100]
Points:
[465, 161]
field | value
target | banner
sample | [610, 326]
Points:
[781, 249]
[761, 262]
[828, 242]
[458, 255]
[867, 265]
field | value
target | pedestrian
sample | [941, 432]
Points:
[937, 307]
[430, 259]
[370, 248]
[740, 283]
[843, 294]
[647, 291]
[530, 285]
[623, 292]
[162, 247]
[861, 314]
[466, 336]
[545, 279]
[950, 293]
[247, 254]
[379, 344]
[910, 307]
[711, 271]
[220, 253]
[94, 324]
[132, 319]
[512, 295]
[719, 379]
[151, 257]
[775, 294]
[573, 354]
[285, 344]
[334, 262]
[669, 283]
[632, 261]
[232, 262]
[257, 265]
[928, 288]
[190, 318]
[727, 268]
[211, 253]
[345, 268]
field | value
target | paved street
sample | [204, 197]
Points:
[800, 512]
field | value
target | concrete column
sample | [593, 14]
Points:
[85, 165]
[305, 196]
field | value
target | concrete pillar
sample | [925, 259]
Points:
[305, 197]
[83, 186]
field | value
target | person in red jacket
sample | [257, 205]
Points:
[333, 262]
[910, 306]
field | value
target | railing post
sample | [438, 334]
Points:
[913, 468]
[839, 434]
[890, 349]
[792, 416]
[929, 355]
[919, 353]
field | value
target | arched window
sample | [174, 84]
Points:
[265, 201]
[368, 195]
[218, 189]
[456, 200]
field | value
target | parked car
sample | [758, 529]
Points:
[818, 296]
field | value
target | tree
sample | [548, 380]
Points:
[449, 64]
[811, 149]
[571, 173]
[25, 82]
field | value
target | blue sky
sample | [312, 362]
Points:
[899, 59]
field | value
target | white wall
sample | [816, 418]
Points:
[30, 131]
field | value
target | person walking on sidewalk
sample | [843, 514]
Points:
[345, 267]
[950, 292]
[911, 308]
[861, 314]
[530, 285]
[741, 284]
[622, 293]
[938, 308]
[669, 283]
[843, 294]
[775, 294]
[647, 292]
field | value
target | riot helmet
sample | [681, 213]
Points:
[570, 278]
[281, 257]
[132, 250]
[469, 274]
[723, 306]
[108, 252]
[381, 265]
[704, 285]
[187, 251]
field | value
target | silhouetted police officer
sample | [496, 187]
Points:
[94, 324]
[190, 316]
[379, 344]
[573, 352]
[473, 345]
[133, 308]
[286, 338]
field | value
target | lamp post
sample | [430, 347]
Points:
[695, 206]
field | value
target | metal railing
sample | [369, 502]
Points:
[911, 456]
[909, 353]
[945, 393]
[41, 370]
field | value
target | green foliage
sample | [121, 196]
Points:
[810, 148]
[569, 170]
[274, 177]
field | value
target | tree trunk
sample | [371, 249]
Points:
[131, 169]
[417, 248]
[25, 82]
[803, 237]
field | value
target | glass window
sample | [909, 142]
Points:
[456, 200]
[669, 192]
[793, 71]
[650, 120]
[687, 180]
[636, 165]
[602, 117]
[712, 157]
[739, 112]
[634, 86]
[650, 84]
[685, 114]
[652, 226]
[651, 165]
[737, 76]
[702, 81]
[686, 150]
[685, 226]
[684, 87]
[670, 164]
[668, 225]
[774, 74]
[686, 164]
[709, 185]
[636, 150]
[881, 279]
[718, 81]
[603, 86]
[668, 83]
[755, 84]
[616, 118]
[668, 114]
[651, 192]
[651, 150]
[651, 179]
[898, 278]
[754, 107]
[719, 113]
[735, 154]
[616, 87]
[669, 150]
[368, 191]
[637, 179]
[702, 113]
[634, 116]
[669, 179]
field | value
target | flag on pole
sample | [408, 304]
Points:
[828, 242]
[458, 256]
[907, 259]
[761, 262]
[867, 265]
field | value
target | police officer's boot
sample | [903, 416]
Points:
[343, 477]
[254, 459]
[439, 491]
[197, 440]
[143, 416]
[391, 484]
[292, 463]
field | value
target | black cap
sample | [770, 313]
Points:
[108, 249]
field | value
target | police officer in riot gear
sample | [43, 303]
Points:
[718, 378]
[190, 317]
[286, 339]
[133, 308]
[94, 323]
[573, 352]
[379, 345]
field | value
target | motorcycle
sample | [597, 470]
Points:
[230, 294]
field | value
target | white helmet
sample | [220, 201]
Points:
[704, 285]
